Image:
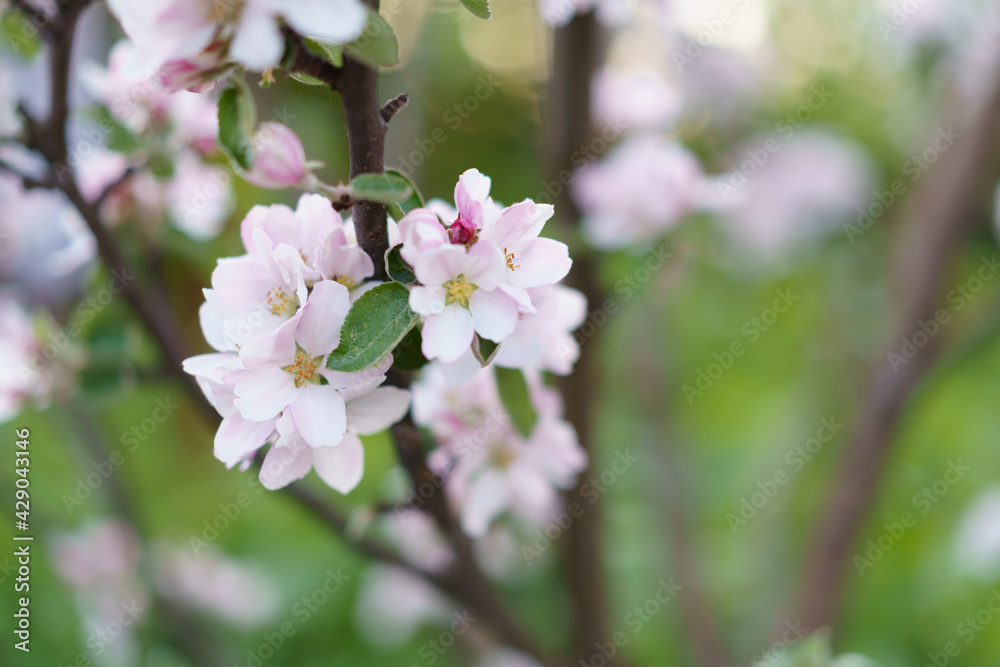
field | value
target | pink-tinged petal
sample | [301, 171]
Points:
[439, 265]
[471, 193]
[279, 158]
[494, 314]
[484, 266]
[284, 465]
[427, 300]
[258, 43]
[521, 298]
[541, 262]
[378, 410]
[238, 437]
[318, 331]
[212, 326]
[315, 221]
[261, 393]
[213, 366]
[277, 350]
[338, 21]
[351, 263]
[520, 223]
[447, 336]
[342, 466]
[353, 385]
[320, 415]
[421, 230]
[489, 495]
[288, 432]
[530, 486]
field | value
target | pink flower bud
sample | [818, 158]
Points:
[279, 160]
[463, 232]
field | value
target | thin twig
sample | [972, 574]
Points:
[394, 106]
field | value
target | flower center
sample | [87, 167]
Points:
[304, 368]
[510, 260]
[458, 291]
[223, 11]
[346, 281]
[503, 456]
[463, 232]
[281, 303]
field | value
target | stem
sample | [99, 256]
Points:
[937, 215]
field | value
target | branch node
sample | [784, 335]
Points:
[394, 106]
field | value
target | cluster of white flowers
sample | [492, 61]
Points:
[482, 269]
[190, 44]
[274, 315]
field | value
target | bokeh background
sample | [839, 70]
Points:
[883, 94]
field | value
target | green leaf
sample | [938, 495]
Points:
[380, 188]
[375, 325]
[397, 268]
[416, 200]
[20, 36]
[480, 8]
[119, 138]
[237, 120]
[484, 350]
[306, 79]
[328, 50]
[377, 46]
[514, 394]
[408, 356]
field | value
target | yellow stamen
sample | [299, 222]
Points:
[281, 303]
[510, 260]
[346, 281]
[459, 290]
[304, 369]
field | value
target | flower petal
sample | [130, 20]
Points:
[378, 410]
[318, 331]
[542, 262]
[488, 497]
[494, 314]
[258, 43]
[264, 392]
[471, 193]
[447, 336]
[238, 437]
[320, 415]
[342, 466]
[284, 465]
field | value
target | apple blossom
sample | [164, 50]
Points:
[638, 99]
[279, 160]
[459, 297]
[545, 339]
[638, 192]
[168, 31]
[487, 465]
[394, 604]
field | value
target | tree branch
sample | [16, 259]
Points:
[578, 53]
[937, 216]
